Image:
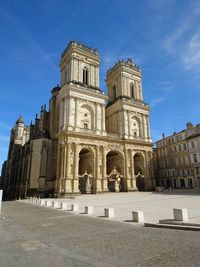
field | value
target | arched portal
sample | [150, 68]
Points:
[86, 170]
[115, 171]
[139, 171]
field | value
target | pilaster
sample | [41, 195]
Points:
[76, 162]
[104, 177]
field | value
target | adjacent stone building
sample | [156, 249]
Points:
[177, 159]
[87, 142]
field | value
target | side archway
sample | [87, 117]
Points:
[139, 169]
[115, 171]
[86, 170]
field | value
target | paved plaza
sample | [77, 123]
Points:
[32, 235]
[156, 206]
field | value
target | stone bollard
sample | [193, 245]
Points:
[58, 205]
[138, 216]
[43, 202]
[38, 200]
[65, 206]
[109, 212]
[1, 196]
[180, 214]
[89, 210]
[74, 207]
[49, 203]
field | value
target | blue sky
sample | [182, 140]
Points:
[162, 36]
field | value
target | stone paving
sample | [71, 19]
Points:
[156, 206]
[31, 235]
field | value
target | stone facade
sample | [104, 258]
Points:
[97, 143]
[177, 159]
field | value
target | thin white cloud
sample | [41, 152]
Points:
[184, 41]
[191, 57]
[165, 86]
[156, 101]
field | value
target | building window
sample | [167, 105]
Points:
[182, 183]
[192, 144]
[85, 125]
[114, 95]
[174, 183]
[85, 76]
[190, 183]
[195, 159]
[132, 91]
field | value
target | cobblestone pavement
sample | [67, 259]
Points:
[31, 235]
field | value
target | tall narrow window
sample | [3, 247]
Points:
[85, 76]
[114, 95]
[132, 93]
[195, 158]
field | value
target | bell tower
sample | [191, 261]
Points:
[81, 102]
[80, 64]
[126, 113]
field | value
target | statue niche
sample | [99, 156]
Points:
[85, 183]
[115, 181]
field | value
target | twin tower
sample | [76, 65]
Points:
[104, 142]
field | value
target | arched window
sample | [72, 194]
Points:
[132, 93]
[85, 76]
[114, 95]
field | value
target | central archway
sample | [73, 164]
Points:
[86, 170]
[115, 171]
[139, 170]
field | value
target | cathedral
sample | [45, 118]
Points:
[86, 142]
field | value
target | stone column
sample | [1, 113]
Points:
[103, 118]
[68, 182]
[64, 167]
[76, 113]
[65, 111]
[104, 178]
[125, 126]
[98, 180]
[72, 69]
[68, 111]
[129, 125]
[143, 127]
[137, 90]
[76, 163]
[148, 127]
[61, 161]
[60, 117]
[126, 169]
[133, 179]
[96, 117]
